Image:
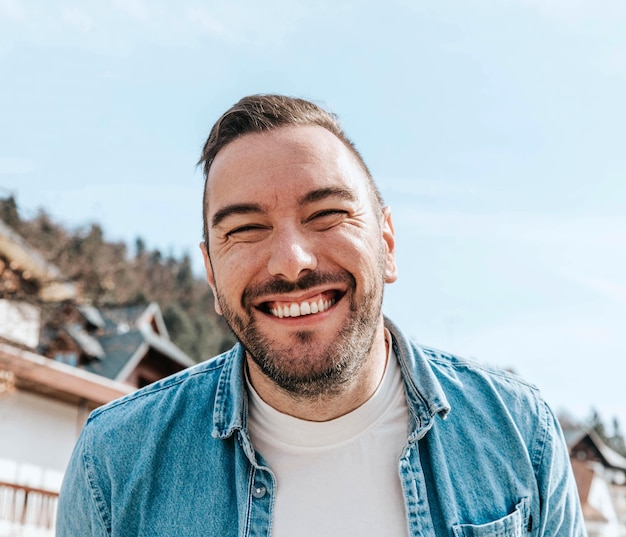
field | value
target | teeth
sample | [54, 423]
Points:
[304, 308]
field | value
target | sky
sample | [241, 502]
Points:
[495, 131]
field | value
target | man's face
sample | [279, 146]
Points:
[298, 255]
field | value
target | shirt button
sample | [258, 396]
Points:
[258, 491]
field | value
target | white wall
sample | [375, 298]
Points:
[37, 435]
[600, 498]
[19, 322]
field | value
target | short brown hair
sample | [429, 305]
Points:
[259, 113]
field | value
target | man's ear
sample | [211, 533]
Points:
[210, 277]
[389, 241]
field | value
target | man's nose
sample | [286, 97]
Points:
[291, 255]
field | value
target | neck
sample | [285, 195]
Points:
[337, 402]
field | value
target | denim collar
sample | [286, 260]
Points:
[425, 396]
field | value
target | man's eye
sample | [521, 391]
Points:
[327, 218]
[241, 229]
[329, 213]
[246, 232]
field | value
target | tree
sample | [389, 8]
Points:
[107, 277]
[615, 439]
[9, 213]
[140, 247]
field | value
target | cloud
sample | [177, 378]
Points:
[135, 9]
[608, 287]
[121, 24]
[540, 228]
[15, 166]
[586, 251]
[251, 23]
[12, 9]
[432, 187]
[577, 11]
[77, 18]
[209, 23]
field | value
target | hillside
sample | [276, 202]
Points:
[110, 273]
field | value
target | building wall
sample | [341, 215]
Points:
[37, 435]
[600, 498]
[19, 322]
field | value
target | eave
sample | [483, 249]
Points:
[60, 381]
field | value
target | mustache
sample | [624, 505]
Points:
[308, 281]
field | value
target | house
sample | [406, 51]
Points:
[60, 359]
[127, 344]
[600, 474]
[24, 273]
[43, 405]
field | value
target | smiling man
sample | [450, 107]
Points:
[324, 420]
[297, 251]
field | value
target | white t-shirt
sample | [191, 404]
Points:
[339, 477]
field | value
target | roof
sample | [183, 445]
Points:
[92, 315]
[137, 315]
[52, 285]
[90, 345]
[57, 380]
[126, 335]
[118, 350]
[115, 339]
[119, 315]
[611, 458]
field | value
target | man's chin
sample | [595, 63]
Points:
[299, 364]
[306, 383]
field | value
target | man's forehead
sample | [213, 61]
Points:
[307, 150]
[286, 140]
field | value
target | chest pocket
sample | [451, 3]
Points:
[517, 524]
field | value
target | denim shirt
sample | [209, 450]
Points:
[484, 457]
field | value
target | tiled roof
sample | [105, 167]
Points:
[113, 339]
[119, 349]
[128, 315]
[92, 315]
[612, 458]
[125, 336]
[53, 286]
[90, 345]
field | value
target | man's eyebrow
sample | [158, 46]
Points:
[235, 208]
[323, 193]
[309, 197]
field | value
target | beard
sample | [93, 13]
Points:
[308, 367]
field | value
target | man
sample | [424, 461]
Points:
[324, 420]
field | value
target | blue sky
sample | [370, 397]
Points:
[496, 131]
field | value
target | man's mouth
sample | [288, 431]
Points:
[311, 306]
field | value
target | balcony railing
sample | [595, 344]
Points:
[27, 507]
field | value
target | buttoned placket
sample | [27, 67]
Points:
[413, 481]
[261, 501]
[261, 490]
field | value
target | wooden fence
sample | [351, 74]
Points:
[27, 506]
